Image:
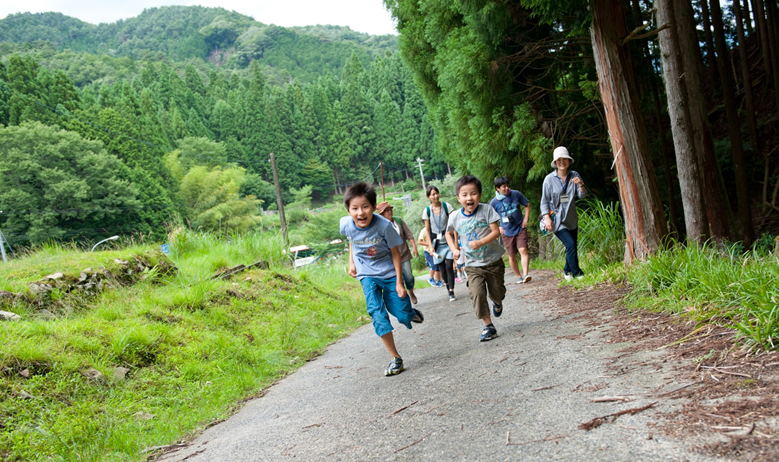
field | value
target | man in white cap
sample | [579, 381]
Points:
[558, 208]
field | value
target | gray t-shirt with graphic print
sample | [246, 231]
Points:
[474, 227]
[371, 247]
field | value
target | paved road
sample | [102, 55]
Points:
[458, 399]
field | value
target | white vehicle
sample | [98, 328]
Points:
[303, 255]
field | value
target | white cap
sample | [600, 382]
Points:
[561, 153]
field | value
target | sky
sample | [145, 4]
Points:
[367, 16]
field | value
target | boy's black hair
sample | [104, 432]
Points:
[360, 190]
[430, 189]
[500, 181]
[467, 179]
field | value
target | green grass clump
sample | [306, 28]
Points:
[193, 348]
[711, 284]
[732, 286]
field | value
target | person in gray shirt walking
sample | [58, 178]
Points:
[558, 208]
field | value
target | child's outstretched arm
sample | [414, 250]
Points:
[352, 268]
[451, 239]
[398, 272]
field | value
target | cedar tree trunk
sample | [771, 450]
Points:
[734, 128]
[718, 209]
[681, 127]
[645, 224]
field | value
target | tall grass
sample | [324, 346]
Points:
[711, 284]
[723, 284]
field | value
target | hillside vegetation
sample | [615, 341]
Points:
[111, 373]
[171, 117]
[181, 34]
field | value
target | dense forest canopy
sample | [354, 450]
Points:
[506, 82]
[181, 107]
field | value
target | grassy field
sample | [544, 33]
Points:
[191, 348]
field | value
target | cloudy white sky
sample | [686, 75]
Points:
[361, 15]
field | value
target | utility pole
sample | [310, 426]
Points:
[2, 247]
[383, 197]
[421, 174]
[279, 202]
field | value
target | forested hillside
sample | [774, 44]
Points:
[180, 34]
[120, 128]
[669, 106]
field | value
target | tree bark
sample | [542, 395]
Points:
[666, 161]
[762, 30]
[708, 38]
[645, 224]
[734, 128]
[718, 209]
[746, 75]
[686, 157]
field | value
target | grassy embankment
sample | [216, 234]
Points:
[194, 347]
[727, 285]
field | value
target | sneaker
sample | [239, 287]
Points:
[432, 282]
[439, 283]
[524, 279]
[395, 367]
[458, 280]
[419, 318]
[497, 310]
[488, 333]
[452, 298]
[568, 277]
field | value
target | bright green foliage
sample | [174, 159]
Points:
[212, 200]
[488, 72]
[55, 184]
[163, 116]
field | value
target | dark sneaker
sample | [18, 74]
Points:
[395, 367]
[418, 317]
[497, 310]
[488, 333]
[452, 298]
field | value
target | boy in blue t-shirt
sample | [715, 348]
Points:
[374, 259]
[513, 225]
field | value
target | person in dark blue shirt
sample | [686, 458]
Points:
[513, 225]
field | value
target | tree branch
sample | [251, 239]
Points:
[632, 36]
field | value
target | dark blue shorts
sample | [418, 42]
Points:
[429, 262]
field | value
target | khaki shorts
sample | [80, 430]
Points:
[513, 243]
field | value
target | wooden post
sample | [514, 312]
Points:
[279, 202]
[383, 197]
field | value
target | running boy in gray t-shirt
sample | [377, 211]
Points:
[478, 226]
[374, 259]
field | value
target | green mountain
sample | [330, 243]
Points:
[184, 34]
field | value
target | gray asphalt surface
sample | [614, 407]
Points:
[458, 399]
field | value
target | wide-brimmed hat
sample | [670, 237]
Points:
[383, 206]
[561, 153]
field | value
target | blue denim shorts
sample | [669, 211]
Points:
[382, 300]
[429, 262]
